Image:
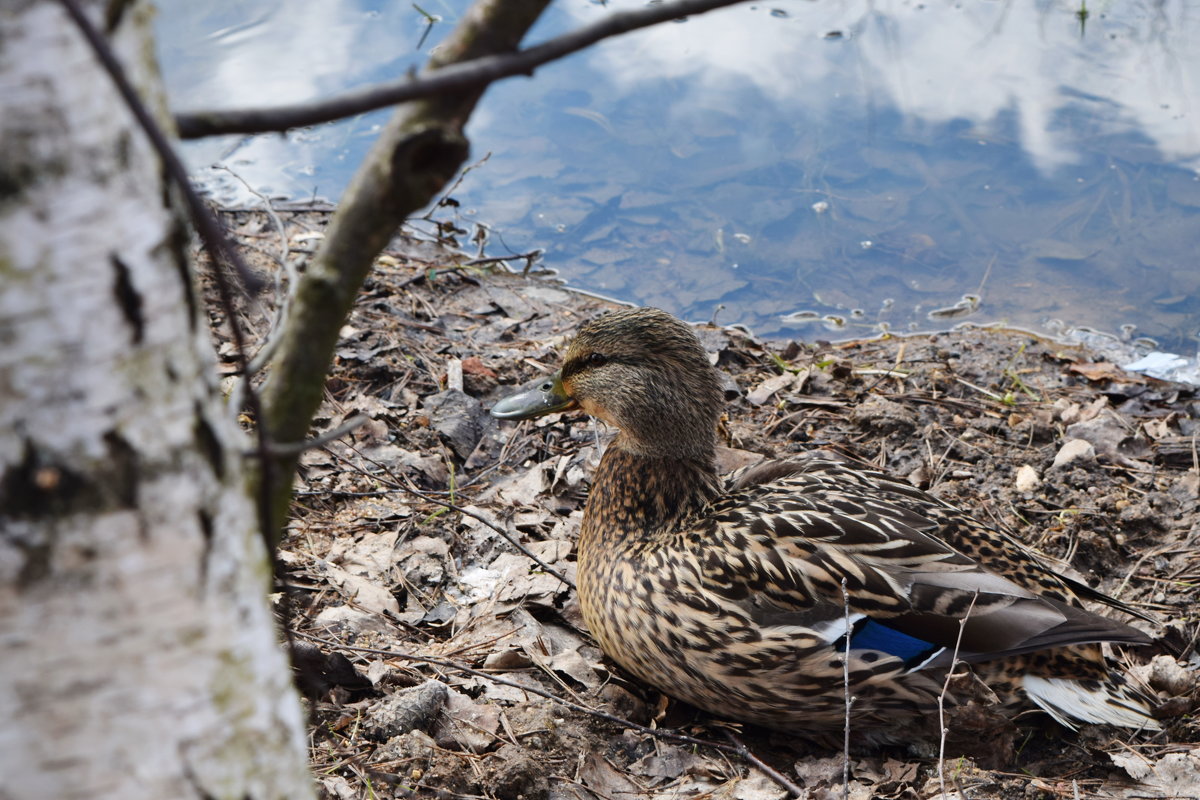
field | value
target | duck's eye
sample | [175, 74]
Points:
[597, 360]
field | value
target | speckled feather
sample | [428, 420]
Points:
[733, 594]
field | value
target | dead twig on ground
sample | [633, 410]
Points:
[943, 731]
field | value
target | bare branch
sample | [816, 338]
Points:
[476, 73]
[415, 155]
[210, 230]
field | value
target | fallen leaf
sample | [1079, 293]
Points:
[1105, 371]
[1135, 765]
[762, 393]
[757, 786]
[363, 592]
[473, 365]
[607, 781]
[668, 763]
[465, 724]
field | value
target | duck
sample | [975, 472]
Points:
[804, 594]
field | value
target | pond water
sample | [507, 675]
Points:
[819, 169]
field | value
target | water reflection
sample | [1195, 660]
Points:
[790, 157]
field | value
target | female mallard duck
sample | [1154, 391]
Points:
[743, 595]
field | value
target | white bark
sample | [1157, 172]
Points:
[138, 656]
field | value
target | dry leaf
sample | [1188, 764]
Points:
[363, 592]
[466, 725]
[757, 786]
[1105, 371]
[762, 393]
[607, 781]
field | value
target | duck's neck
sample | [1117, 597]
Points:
[636, 495]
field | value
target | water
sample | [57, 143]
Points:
[813, 169]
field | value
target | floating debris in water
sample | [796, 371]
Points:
[968, 305]
[821, 206]
[801, 317]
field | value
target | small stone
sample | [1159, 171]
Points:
[1073, 451]
[1168, 676]
[1027, 479]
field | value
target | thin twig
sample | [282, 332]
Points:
[527, 257]
[942, 729]
[981, 390]
[296, 448]
[445, 80]
[287, 268]
[207, 226]
[269, 209]
[462, 175]
[846, 694]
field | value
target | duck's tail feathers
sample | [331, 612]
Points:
[1071, 702]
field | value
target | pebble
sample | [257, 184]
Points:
[1074, 450]
[1027, 479]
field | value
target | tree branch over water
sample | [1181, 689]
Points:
[476, 73]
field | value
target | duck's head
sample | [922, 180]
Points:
[640, 370]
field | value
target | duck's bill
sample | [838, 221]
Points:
[544, 396]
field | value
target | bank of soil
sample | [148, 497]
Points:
[406, 610]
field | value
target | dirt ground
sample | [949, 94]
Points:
[444, 660]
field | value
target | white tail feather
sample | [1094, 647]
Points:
[1071, 703]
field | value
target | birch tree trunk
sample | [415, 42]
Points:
[138, 656]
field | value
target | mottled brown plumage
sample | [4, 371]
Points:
[734, 594]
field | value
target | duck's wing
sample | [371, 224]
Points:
[865, 559]
[780, 481]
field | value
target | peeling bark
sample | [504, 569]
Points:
[137, 647]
